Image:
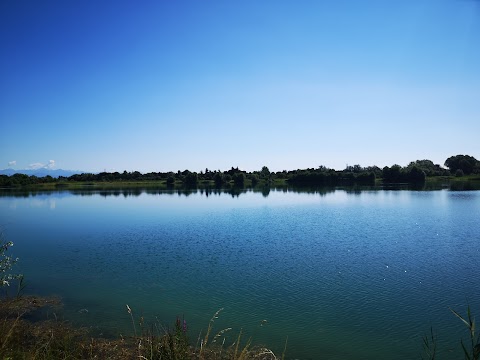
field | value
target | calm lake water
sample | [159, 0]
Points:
[345, 275]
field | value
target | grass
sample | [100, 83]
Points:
[471, 349]
[53, 338]
[22, 337]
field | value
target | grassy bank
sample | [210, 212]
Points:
[103, 185]
[31, 329]
[24, 334]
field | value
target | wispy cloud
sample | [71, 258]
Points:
[36, 166]
[12, 163]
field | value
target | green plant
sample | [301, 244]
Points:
[6, 263]
[429, 346]
[129, 310]
[471, 352]
[20, 286]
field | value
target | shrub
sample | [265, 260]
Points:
[6, 263]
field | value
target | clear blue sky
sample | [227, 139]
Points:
[174, 85]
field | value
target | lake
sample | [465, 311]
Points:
[343, 274]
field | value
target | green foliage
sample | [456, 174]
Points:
[472, 349]
[429, 168]
[239, 179]
[396, 174]
[392, 174]
[55, 339]
[265, 173]
[416, 175]
[218, 179]
[329, 177]
[429, 346]
[254, 179]
[6, 264]
[191, 179]
[468, 164]
[170, 180]
[162, 343]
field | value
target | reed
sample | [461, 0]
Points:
[472, 350]
[429, 346]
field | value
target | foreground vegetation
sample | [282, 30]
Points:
[52, 338]
[416, 172]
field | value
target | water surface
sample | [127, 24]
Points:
[343, 274]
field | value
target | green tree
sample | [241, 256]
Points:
[265, 173]
[466, 163]
[416, 175]
[191, 179]
[239, 179]
[218, 179]
[392, 174]
[170, 180]
[254, 179]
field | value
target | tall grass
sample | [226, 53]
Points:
[158, 342]
[53, 338]
[472, 349]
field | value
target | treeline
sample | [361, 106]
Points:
[415, 172]
[18, 180]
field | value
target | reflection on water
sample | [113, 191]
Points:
[137, 191]
[235, 191]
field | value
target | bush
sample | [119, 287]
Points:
[6, 264]
[170, 180]
[239, 179]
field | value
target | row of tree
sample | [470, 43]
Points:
[415, 172]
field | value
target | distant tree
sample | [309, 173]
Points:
[459, 173]
[465, 163]
[48, 179]
[365, 178]
[254, 178]
[5, 181]
[218, 179]
[415, 175]
[392, 174]
[427, 166]
[191, 179]
[375, 170]
[281, 174]
[170, 180]
[265, 173]
[354, 168]
[208, 175]
[239, 179]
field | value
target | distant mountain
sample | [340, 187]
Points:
[41, 172]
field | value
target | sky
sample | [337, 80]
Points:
[174, 85]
